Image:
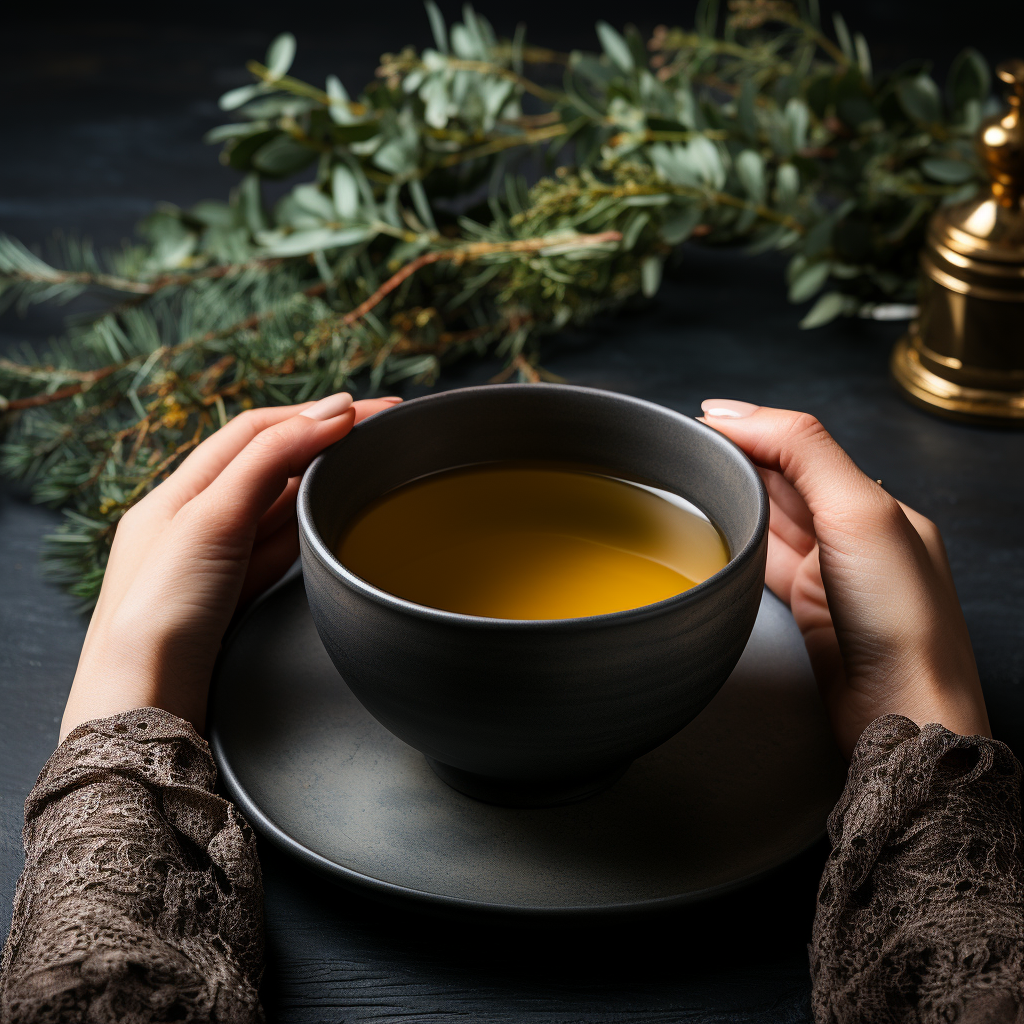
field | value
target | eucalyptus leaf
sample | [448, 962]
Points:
[590, 67]
[280, 106]
[336, 90]
[311, 199]
[434, 94]
[495, 95]
[686, 109]
[396, 157]
[389, 209]
[631, 233]
[250, 203]
[657, 200]
[809, 281]
[750, 170]
[919, 98]
[476, 26]
[704, 155]
[949, 172]
[706, 17]
[798, 117]
[787, 184]
[234, 131]
[463, 43]
[650, 275]
[843, 36]
[340, 108]
[301, 243]
[860, 45]
[280, 55]
[616, 47]
[345, 190]
[417, 77]
[281, 156]
[422, 204]
[437, 26]
[679, 225]
[825, 310]
[969, 78]
[235, 98]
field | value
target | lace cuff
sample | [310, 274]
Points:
[920, 914]
[141, 898]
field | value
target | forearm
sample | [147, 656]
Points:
[921, 907]
[141, 897]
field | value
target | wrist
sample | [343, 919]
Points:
[111, 680]
[958, 706]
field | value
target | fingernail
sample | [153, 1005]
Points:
[727, 408]
[329, 407]
[393, 399]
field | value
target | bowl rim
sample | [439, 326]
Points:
[326, 557]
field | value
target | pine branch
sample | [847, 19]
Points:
[419, 241]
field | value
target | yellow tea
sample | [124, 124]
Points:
[530, 541]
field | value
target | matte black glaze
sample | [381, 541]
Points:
[530, 702]
[744, 787]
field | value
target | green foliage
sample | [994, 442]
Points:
[411, 236]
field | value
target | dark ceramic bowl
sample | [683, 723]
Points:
[542, 711]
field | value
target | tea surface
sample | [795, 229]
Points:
[515, 541]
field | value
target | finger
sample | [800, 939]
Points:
[271, 558]
[790, 518]
[203, 465]
[141, 527]
[371, 406]
[783, 564]
[210, 458]
[796, 445]
[284, 506]
[280, 512]
[228, 511]
[929, 533]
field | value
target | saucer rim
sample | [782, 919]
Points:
[392, 892]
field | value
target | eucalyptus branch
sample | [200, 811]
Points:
[529, 137]
[410, 237]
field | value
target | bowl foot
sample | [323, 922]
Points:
[513, 793]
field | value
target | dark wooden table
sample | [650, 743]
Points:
[720, 328]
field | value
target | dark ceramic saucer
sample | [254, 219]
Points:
[747, 785]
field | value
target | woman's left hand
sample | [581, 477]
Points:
[216, 533]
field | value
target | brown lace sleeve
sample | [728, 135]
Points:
[141, 898]
[920, 914]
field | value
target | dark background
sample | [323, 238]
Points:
[105, 106]
[104, 110]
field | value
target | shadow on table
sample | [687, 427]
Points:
[329, 946]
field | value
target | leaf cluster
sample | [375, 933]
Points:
[412, 234]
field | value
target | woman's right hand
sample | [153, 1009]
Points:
[867, 580]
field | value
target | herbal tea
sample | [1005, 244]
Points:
[518, 541]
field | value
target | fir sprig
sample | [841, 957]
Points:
[415, 238]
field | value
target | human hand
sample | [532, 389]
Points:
[866, 577]
[216, 533]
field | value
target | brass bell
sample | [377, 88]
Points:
[964, 356]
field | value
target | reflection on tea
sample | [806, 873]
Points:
[530, 541]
